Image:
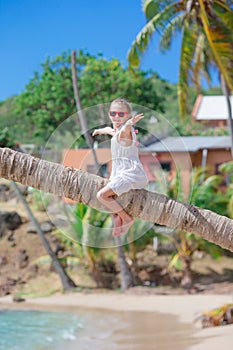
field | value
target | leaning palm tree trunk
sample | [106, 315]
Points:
[67, 282]
[82, 187]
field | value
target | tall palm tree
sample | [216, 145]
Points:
[82, 187]
[80, 114]
[206, 27]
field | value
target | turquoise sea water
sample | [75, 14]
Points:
[37, 330]
[92, 329]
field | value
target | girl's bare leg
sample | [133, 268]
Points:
[105, 196]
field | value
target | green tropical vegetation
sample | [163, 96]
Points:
[205, 192]
[48, 98]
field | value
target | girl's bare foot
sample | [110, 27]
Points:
[117, 225]
[126, 224]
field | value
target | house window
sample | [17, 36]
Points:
[166, 166]
[104, 169]
[158, 166]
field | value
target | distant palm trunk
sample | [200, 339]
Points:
[81, 116]
[126, 274]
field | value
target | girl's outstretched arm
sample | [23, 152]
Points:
[103, 131]
[125, 133]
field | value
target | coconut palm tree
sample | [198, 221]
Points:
[206, 27]
[82, 187]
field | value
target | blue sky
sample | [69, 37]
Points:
[32, 30]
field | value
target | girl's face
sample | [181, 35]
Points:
[118, 114]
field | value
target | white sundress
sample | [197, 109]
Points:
[127, 169]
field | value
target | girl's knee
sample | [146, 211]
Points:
[104, 194]
[100, 196]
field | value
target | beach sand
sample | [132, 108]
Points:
[140, 322]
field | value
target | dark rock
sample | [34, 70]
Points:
[46, 227]
[18, 299]
[9, 221]
[7, 286]
[10, 238]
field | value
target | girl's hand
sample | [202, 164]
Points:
[96, 132]
[135, 119]
[103, 131]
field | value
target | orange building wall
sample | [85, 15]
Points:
[82, 158]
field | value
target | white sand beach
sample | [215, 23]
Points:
[140, 314]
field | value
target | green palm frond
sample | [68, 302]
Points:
[198, 61]
[203, 186]
[189, 39]
[212, 20]
[207, 195]
[213, 181]
[150, 8]
[208, 65]
[230, 207]
[201, 62]
[175, 25]
[174, 189]
[210, 184]
[198, 175]
[175, 262]
[220, 39]
[226, 168]
[140, 44]
[224, 12]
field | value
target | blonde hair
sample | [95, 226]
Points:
[124, 102]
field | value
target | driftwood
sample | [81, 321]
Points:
[217, 317]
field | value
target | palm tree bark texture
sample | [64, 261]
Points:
[82, 187]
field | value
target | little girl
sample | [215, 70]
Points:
[127, 170]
